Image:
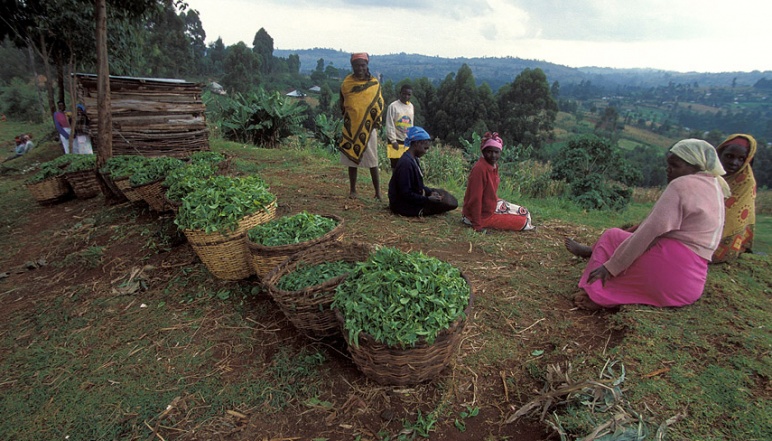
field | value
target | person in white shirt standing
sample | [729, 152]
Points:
[399, 118]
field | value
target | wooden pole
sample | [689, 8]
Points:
[104, 145]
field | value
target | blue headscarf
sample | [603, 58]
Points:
[415, 134]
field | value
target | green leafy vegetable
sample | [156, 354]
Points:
[401, 298]
[55, 167]
[306, 276]
[82, 163]
[183, 180]
[221, 202]
[153, 169]
[287, 230]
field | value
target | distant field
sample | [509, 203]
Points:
[647, 137]
[700, 108]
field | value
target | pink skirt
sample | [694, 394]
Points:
[667, 274]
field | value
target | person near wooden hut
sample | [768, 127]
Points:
[362, 106]
[62, 124]
[82, 137]
[23, 145]
[664, 262]
[408, 195]
[736, 154]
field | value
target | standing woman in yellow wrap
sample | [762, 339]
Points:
[362, 105]
[736, 154]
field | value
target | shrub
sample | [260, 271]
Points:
[598, 176]
[261, 118]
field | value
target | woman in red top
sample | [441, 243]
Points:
[482, 207]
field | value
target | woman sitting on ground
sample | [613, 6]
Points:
[736, 155]
[665, 261]
[482, 206]
[408, 195]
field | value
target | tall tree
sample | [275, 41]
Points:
[196, 35]
[461, 107]
[293, 63]
[262, 45]
[527, 110]
[242, 67]
[215, 58]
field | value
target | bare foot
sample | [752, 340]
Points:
[352, 195]
[577, 249]
[583, 301]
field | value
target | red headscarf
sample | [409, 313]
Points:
[360, 56]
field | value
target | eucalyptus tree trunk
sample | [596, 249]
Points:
[104, 144]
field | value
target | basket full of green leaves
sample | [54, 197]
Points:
[216, 216]
[181, 181]
[48, 185]
[117, 171]
[402, 315]
[304, 284]
[147, 180]
[221, 162]
[81, 175]
[273, 242]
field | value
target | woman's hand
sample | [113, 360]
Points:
[435, 196]
[599, 273]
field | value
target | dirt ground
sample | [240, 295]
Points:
[361, 407]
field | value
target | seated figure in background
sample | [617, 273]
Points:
[408, 195]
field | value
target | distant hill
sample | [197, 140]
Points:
[499, 71]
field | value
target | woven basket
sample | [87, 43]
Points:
[309, 308]
[84, 183]
[388, 365]
[264, 259]
[130, 192]
[154, 195]
[49, 190]
[226, 256]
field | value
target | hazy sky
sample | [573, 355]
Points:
[680, 35]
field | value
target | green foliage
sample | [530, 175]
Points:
[306, 276]
[598, 176]
[55, 167]
[242, 69]
[329, 131]
[122, 166]
[444, 164]
[221, 202]
[401, 298]
[82, 163]
[462, 108]
[181, 181]
[153, 169]
[288, 230]
[527, 109]
[261, 118]
[19, 100]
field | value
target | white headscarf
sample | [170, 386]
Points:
[702, 155]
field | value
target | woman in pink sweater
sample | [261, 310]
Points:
[482, 207]
[665, 261]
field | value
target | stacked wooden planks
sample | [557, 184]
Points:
[151, 116]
